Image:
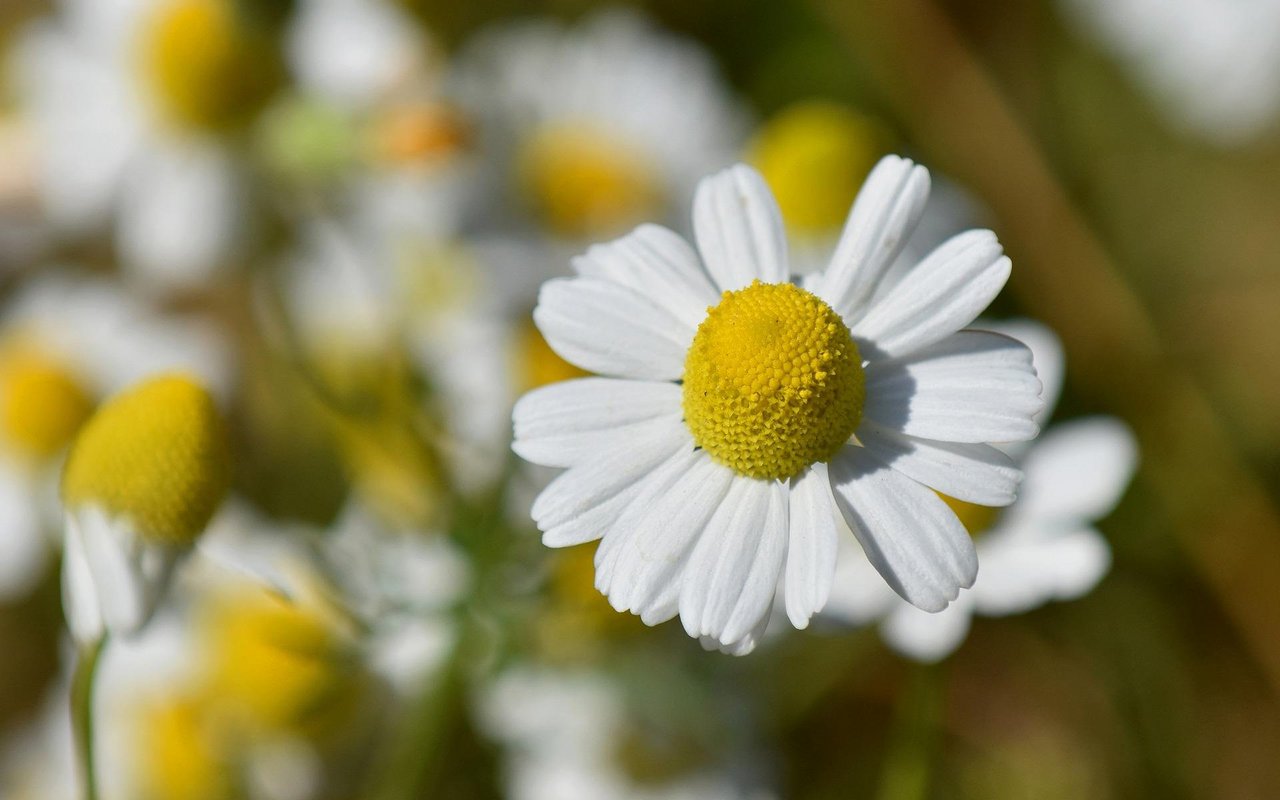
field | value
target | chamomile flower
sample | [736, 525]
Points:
[738, 412]
[1044, 547]
[590, 126]
[142, 480]
[134, 102]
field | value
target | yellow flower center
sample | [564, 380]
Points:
[587, 183]
[540, 365]
[814, 156]
[283, 666]
[976, 519]
[42, 404]
[420, 133]
[203, 68]
[180, 756]
[773, 381]
[157, 454]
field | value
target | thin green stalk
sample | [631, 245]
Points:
[913, 743]
[82, 685]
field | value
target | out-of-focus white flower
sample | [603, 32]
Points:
[742, 411]
[130, 99]
[1211, 64]
[563, 734]
[143, 478]
[598, 127]
[1044, 547]
[66, 342]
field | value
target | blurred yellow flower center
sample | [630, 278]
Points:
[179, 756]
[540, 364]
[587, 183]
[203, 69]
[976, 519]
[283, 665]
[814, 156]
[42, 403]
[420, 133]
[157, 454]
[773, 381]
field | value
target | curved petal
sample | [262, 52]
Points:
[811, 545]
[733, 572]
[659, 264]
[739, 229]
[580, 504]
[24, 548]
[911, 537]
[925, 637]
[646, 564]
[1078, 471]
[976, 473]
[607, 328]
[944, 293]
[741, 647]
[1046, 356]
[566, 423]
[1025, 569]
[973, 386]
[887, 210]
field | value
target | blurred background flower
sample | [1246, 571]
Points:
[336, 215]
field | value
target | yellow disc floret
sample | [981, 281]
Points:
[773, 381]
[204, 68]
[585, 182]
[157, 454]
[814, 156]
[42, 403]
[179, 755]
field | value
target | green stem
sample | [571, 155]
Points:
[907, 766]
[82, 684]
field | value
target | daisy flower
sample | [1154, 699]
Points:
[142, 480]
[590, 125]
[135, 103]
[1044, 547]
[738, 413]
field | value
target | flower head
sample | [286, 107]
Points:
[740, 412]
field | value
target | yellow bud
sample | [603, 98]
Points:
[814, 156]
[42, 403]
[155, 454]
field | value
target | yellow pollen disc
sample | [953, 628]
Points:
[204, 70]
[814, 156]
[587, 183]
[156, 454]
[420, 133]
[976, 519]
[42, 403]
[773, 381]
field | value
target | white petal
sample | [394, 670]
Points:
[739, 229]
[914, 540]
[577, 506]
[944, 293]
[977, 473]
[180, 216]
[973, 386]
[659, 264]
[1046, 356]
[926, 637]
[352, 54]
[79, 594]
[811, 549]
[647, 552]
[24, 548]
[858, 593]
[565, 423]
[740, 647]
[887, 210]
[1078, 470]
[607, 328]
[1022, 568]
[733, 572]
